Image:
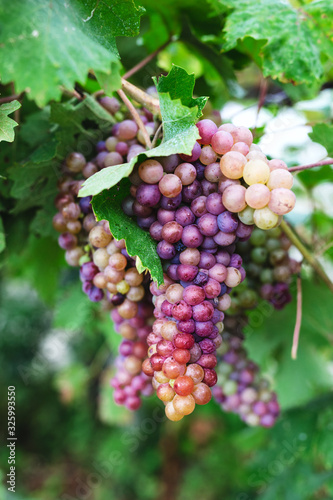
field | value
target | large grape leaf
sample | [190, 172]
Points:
[178, 108]
[107, 205]
[61, 41]
[7, 125]
[323, 134]
[179, 114]
[290, 47]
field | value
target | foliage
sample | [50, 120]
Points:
[55, 59]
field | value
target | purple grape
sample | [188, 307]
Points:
[208, 225]
[186, 272]
[224, 239]
[184, 216]
[187, 326]
[196, 152]
[214, 204]
[200, 168]
[198, 206]
[141, 210]
[207, 128]
[192, 237]
[148, 194]
[203, 311]
[171, 203]
[88, 271]
[165, 216]
[200, 279]
[203, 328]
[146, 222]
[117, 299]
[165, 250]
[67, 241]
[192, 191]
[208, 187]
[227, 222]
[85, 204]
[95, 294]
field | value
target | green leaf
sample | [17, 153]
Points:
[269, 341]
[110, 176]
[179, 110]
[107, 205]
[323, 134]
[2, 237]
[7, 125]
[289, 50]
[61, 41]
[310, 178]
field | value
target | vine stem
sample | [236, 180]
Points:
[287, 229]
[328, 161]
[136, 117]
[11, 98]
[142, 97]
[145, 61]
[298, 319]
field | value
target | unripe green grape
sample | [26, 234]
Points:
[273, 244]
[258, 237]
[266, 276]
[259, 255]
[246, 216]
[264, 218]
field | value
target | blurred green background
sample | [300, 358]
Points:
[57, 348]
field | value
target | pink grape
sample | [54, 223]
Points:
[233, 198]
[222, 142]
[232, 165]
[282, 201]
[280, 178]
[257, 196]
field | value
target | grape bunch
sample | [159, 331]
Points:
[241, 389]
[201, 209]
[269, 270]
[177, 199]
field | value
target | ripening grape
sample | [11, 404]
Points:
[232, 164]
[257, 196]
[264, 218]
[256, 171]
[282, 201]
[280, 178]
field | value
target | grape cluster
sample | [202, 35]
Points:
[269, 270]
[241, 389]
[201, 210]
[178, 200]
[129, 382]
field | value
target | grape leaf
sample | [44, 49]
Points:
[178, 108]
[323, 134]
[289, 49]
[107, 205]
[180, 112]
[62, 41]
[7, 125]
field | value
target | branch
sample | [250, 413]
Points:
[136, 117]
[11, 98]
[328, 161]
[286, 228]
[298, 319]
[142, 97]
[146, 60]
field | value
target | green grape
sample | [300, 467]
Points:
[273, 244]
[274, 233]
[230, 387]
[246, 216]
[254, 269]
[266, 276]
[277, 256]
[259, 255]
[258, 237]
[248, 299]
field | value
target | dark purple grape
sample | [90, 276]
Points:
[227, 222]
[194, 156]
[192, 191]
[148, 194]
[184, 216]
[171, 203]
[165, 250]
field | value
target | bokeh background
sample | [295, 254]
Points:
[57, 348]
